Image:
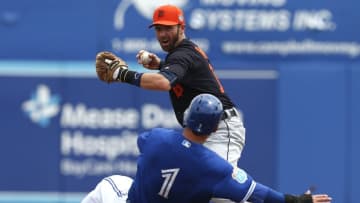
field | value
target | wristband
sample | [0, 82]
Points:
[128, 76]
[305, 198]
[133, 77]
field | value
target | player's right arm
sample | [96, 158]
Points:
[169, 73]
[237, 186]
[153, 64]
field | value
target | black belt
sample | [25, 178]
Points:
[228, 113]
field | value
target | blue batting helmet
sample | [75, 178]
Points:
[203, 114]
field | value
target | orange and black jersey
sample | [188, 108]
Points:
[190, 75]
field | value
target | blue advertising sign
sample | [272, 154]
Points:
[65, 132]
[228, 30]
[261, 29]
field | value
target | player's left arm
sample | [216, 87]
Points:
[155, 81]
[111, 68]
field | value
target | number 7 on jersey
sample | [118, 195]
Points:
[169, 175]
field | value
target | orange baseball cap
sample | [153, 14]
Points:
[168, 15]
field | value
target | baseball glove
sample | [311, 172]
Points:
[106, 64]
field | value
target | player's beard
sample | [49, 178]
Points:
[172, 43]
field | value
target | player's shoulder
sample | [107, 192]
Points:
[185, 48]
[158, 134]
[155, 138]
[188, 43]
[162, 132]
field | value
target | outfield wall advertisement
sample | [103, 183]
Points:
[246, 28]
[85, 136]
[62, 130]
[64, 133]
[228, 30]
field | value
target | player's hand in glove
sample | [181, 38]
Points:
[110, 68]
[148, 60]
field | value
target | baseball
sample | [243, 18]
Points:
[108, 61]
[145, 58]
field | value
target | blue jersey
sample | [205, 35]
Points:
[174, 169]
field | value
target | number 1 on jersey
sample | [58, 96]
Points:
[169, 175]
